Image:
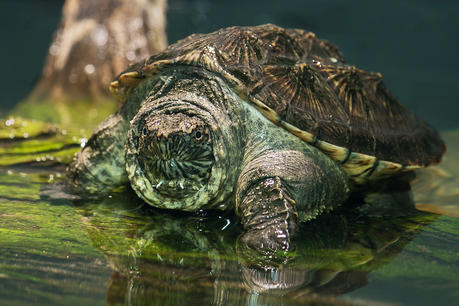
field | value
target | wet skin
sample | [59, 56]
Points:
[184, 140]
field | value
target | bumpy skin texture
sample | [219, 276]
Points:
[283, 181]
[274, 178]
[100, 165]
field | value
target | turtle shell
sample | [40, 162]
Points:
[302, 83]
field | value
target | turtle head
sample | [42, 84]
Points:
[179, 157]
[175, 150]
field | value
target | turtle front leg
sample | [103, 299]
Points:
[100, 165]
[269, 215]
[279, 189]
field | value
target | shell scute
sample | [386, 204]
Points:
[302, 98]
[302, 84]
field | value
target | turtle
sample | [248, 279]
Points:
[270, 122]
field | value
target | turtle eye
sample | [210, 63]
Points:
[198, 135]
[144, 131]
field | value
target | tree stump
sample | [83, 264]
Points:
[96, 40]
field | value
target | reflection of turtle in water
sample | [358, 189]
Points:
[272, 117]
[164, 259]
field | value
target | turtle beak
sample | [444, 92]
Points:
[176, 146]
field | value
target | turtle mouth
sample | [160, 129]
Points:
[174, 178]
[175, 151]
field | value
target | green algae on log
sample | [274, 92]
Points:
[27, 142]
[77, 114]
[18, 128]
[46, 257]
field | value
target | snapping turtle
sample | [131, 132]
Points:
[270, 120]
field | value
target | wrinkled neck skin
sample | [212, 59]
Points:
[195, 94]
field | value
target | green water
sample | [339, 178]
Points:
[118, 252]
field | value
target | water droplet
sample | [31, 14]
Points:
[9, 122]
[89, 69]
[54, 49]
[130, 55]
[99, 36]
[228, 222]
[83, 141]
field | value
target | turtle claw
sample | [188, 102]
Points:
[265, 248]
[268, 239]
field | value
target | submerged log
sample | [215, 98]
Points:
[95, 41]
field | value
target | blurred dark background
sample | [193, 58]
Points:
[414, 44]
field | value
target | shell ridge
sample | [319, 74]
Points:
[302, 84]
[370, 172]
